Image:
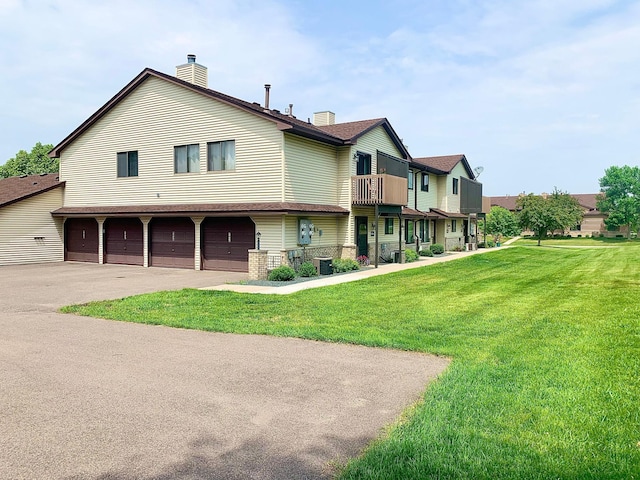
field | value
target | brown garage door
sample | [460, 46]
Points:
[226, 242]
[123, 241]
[81, 240]
[173, 242]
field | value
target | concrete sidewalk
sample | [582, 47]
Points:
[325, 280]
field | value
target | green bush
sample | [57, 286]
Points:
[307, 269]
[437, 248]
[426, 253]
[344, 265]
[283, 273]
[490, 243]
[410, 256]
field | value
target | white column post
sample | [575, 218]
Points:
[145, 240]
[100, 221]
[197, 221]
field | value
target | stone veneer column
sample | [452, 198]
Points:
[348, 251]
[145, 240]
[197, 262]
[258, 264]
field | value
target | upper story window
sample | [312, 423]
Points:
[363, 166]
[455, 186]
[128, 164]
[410, 180]
[221, 155]
[186, 158]
[424, 186]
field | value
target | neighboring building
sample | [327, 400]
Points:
[28, 233]
[592, 223]
[446, 188]
[170, 173]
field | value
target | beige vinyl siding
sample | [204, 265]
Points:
[328, 225]
[376, 139]
[271, 232]
[454, 200]
[153, 119]
[442, 195]
[311, 171]
[371, 142]
[428, 199]
[22, 221]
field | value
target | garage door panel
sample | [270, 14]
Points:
[172, 242]
[226, 243]
[81, 240]
[124, 241]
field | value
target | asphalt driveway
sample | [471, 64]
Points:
[83, 398]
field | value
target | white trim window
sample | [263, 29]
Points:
[186, 158]
[221, 155]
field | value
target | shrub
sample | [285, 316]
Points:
[437, 248]
[307, 269]
[345, 265]
[410, 256]
[363, 260]
[458, 248]
[490, 244]
[426, 253]
[283, 273]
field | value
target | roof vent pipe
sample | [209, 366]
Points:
[291, 109]
[267, 87]
[191, 58]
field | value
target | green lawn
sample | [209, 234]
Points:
[572, 242]
[545, 343]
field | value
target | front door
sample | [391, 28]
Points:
[362, 236]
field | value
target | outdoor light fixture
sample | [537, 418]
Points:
[258, 237]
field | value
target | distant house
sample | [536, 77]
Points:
[592, 222]
[28, 233]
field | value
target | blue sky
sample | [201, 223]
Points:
[542, 94]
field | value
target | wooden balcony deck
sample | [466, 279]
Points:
[379, 189]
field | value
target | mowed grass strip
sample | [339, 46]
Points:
[545, 343]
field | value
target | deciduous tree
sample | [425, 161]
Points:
[620, 197]
[501, 221]
[544, 214]
[30, 163]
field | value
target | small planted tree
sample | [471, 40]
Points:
[501, 222]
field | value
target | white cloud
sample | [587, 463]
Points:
[510, 83]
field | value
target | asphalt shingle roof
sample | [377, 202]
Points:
[14, 189]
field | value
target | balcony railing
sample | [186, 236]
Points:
[382, 189]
